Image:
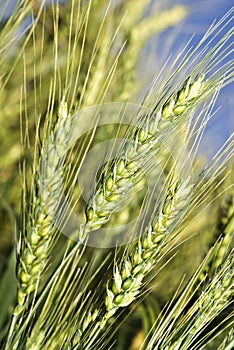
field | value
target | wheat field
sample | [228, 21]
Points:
[115, 233]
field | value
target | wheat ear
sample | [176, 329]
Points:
[225, 227]
[228, 342]
[218, 293]
[35, 241]
[216, 296]
[119, 174]
[127, 279]
[224, 233]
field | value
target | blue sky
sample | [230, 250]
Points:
[201, 15]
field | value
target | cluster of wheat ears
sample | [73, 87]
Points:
[140, 255]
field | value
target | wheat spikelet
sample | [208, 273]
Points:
[128, 276]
